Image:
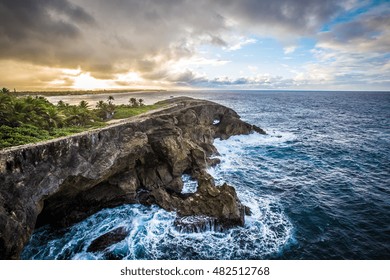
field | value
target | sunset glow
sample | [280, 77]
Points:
[250, 44]
[86, 82]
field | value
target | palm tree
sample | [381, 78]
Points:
[110, 99]
[141, 102]
[53, 118]
[40, 112]
[100, 104]
[18, 113]
[84, 105]
[5, 90]
[133, 102]
[61, 104]
[105, 111]
[78, 116]
[5, 105]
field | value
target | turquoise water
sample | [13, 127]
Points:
[318, 185]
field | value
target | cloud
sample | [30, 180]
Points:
[347, 70]
[193, 79]
[258, 82]
[107, 38]
[240, 43]
[253, 68]
[42, 31]
[158, 41]
[368, 32]
[289, 49]
[281, 17]
[354, 52]
[26, 76]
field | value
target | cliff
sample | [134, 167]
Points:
[140, 160]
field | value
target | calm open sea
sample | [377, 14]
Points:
[318, 185]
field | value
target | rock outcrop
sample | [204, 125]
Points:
[106, 240]
[140, 160]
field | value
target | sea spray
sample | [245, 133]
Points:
[152, 234]
[317, 185]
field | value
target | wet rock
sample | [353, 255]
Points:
[141, 160]
[213, 161]
[196, 224]
[106, 240]
[258, 129]
[248, 211]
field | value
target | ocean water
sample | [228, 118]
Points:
[318, 185]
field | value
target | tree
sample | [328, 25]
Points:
[77, 116]
[133, 102]
[110, 99]
[61, 104]
[5, 90]
[84, 105]
[100, 104]
[38, 111]
[141, 102]
[53, 118]
[105, 111]
[4, 110]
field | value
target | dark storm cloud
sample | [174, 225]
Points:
[40, 31]
[299, 17]
[159, 31]
[22, 19]
[47, 20]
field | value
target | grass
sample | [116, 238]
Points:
[26, 134]
[29, 119]
[123, 112]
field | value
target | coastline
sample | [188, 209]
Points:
[107, 167]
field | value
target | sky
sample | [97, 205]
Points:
[202, 44]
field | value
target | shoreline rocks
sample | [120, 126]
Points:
[140, 160]
[106, 240]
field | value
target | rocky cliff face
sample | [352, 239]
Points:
[140, 160]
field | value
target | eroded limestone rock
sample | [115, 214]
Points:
[141, 160]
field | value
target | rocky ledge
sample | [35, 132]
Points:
[140, 160]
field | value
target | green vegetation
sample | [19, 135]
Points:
[4, 90]
[134, 108]
[32, 119]
[124, 111]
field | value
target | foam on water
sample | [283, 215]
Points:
[317, 184]
[152, 234]
[239, 143]
[189, 185]
[237, 152]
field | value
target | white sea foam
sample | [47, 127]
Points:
[189, 185]
[237, 153]
[152, 234]
[240, 142]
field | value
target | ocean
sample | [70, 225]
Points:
[318, 185]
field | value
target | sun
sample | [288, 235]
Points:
[85, 81]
